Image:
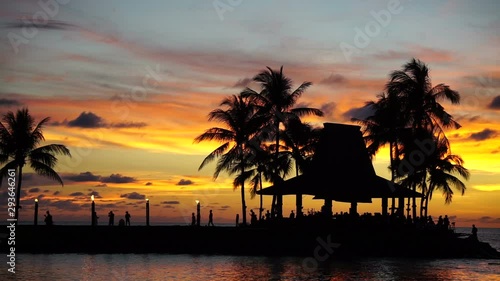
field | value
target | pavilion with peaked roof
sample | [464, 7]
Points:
[341, 170]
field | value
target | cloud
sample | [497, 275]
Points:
[93, 121]
[87, 120]
[133, 196]
[169, 207]
[95, 193]
[483, 135]
[9, 102]
[56, 193]
[488, 219]
[495, 103]
[101, 185]
[328, 108]
[127, 125]
[358, 113]
[49, 25]
[185, 182]
[34, 190]
[242, 83]
[77, 194]
[170, 202]
[334, 79]
[423, 53]
[66, 205]
[148, 183]
[83, 177]
[117, 178]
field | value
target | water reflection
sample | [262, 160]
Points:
[229, 268]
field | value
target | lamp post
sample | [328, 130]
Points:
[36, 212]
[147, 212]
[198, 212]
[93, 211]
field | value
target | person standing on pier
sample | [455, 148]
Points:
[474, 232]
[111, 216]
[127, 218]
[211, 219]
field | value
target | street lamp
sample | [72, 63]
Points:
[147, 212]
[36, 212]
[198, 212]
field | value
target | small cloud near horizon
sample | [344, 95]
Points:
[117, 178]
[133, 195]
[9, 102]
[483, 135]
[334, 79]
[90, 120]
[185, 182]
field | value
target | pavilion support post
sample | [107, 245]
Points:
[354, 208]
[298, 203]
[328, 208]
[384, 206]
[401, 207]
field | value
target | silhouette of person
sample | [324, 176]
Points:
[440, 221]
[48, 218]
[474, 232]
[292, 215]
[253, 217]
[121, 222]
[127, 218]
[111, 216]
[446, 222]
[211, 219]
[268, 215]
[193, 220]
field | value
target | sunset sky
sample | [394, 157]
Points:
[128, 86]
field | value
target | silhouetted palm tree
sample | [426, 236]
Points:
[442, 166]
[19, 140]
[419, 101]
[300, 140]
[242, 123]
[382, 128]
[277, 99]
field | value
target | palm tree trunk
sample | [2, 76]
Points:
[273, 207]
[260, 187]
[298, 197]
[414, 202]
[18, 193]
[426, 203]
[279, 197]
[243, 203]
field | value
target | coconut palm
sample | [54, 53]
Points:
[441, 170]
[19, 144]
[242, 124]
[300, 141]
[277, 99]
[382, 127]
[419, 101]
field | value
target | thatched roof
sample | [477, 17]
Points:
[341, 170]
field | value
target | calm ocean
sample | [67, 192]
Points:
[225, 268]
